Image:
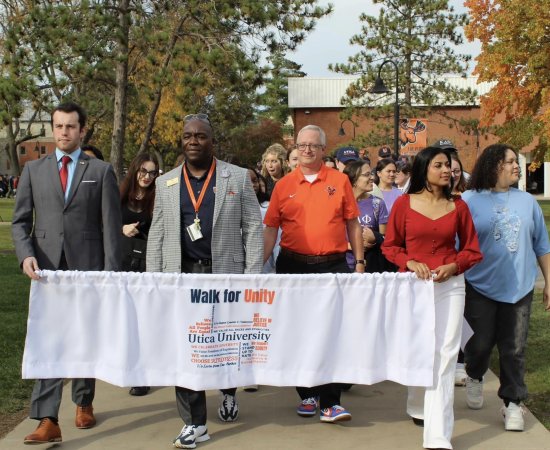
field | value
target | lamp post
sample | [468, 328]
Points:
[380, 88]
[341, 131]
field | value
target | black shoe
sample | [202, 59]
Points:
[139, 391]
[418, 422]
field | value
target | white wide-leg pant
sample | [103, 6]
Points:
[435, 404]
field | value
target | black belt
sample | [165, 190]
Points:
[312, 259]
[202, 262]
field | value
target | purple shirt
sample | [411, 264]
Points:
[391, 196]
[372, 214]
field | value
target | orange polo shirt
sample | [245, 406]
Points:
[312, 216]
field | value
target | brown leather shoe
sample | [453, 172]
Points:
[84, 417]
[46, 431]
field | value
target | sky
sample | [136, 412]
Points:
[329, 42]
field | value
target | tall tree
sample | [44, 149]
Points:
[124, 58]
[120, 112]
[50, 52]
[419, 36]
[275, 97]
[515, 55]
[211, 63]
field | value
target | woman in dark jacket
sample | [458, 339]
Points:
[137, 195]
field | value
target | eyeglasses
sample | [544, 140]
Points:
[456, 172]
[152, 173]
[200, 116]
[314, 147]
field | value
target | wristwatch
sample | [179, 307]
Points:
[360, 261]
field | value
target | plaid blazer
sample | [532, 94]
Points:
[237, 231]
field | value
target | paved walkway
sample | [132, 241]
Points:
[268, 421]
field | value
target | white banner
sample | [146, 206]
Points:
[222, 331]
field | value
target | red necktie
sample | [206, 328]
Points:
[64, 172]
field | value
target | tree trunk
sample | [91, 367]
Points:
[121, 85]
[158, 91]
[11, 150]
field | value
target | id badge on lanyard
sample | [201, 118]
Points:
[194, 230]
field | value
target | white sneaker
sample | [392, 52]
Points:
[513, 417]
[474, 393]
[460, 375]
[229, 408]
[190, 434]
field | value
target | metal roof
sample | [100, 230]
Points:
[313, 92]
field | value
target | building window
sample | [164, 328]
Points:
[22, 150]
[43, 150]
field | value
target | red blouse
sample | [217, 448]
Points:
[411, 235]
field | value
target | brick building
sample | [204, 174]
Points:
[37, 147]
[317, 101]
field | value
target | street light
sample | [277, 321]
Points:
[341, 131]
[380, 88]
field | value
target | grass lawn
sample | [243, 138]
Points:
[6, 209]
[537, 375]
[14, 294]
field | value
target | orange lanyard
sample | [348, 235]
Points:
[197, 203]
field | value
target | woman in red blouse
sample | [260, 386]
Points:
[421, 238]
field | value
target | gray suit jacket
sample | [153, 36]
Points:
[237, 236]
[87, 228]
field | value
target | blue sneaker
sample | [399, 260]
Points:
[307, 407]
[335, 414]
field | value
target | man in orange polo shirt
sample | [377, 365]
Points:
[315, 207]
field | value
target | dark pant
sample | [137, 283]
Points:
[46, 396]
[329, 394]
[192, 404]
[503, 324]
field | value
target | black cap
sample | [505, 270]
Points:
[445, 144]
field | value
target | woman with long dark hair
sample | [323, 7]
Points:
[137, 196]
[499, 291]
[385, 178]
[373, 215]
[421, 238]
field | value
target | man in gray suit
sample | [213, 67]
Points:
[206, 219]
[66, 217]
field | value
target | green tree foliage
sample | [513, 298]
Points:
[247, 143]
[275, 97]
[419, 37]
[149, 61]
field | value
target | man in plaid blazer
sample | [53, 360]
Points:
[206, 219]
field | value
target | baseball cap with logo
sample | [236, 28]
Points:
[445, 144]
[346, 154]
[384, 152]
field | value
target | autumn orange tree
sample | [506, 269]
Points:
[515, 55]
